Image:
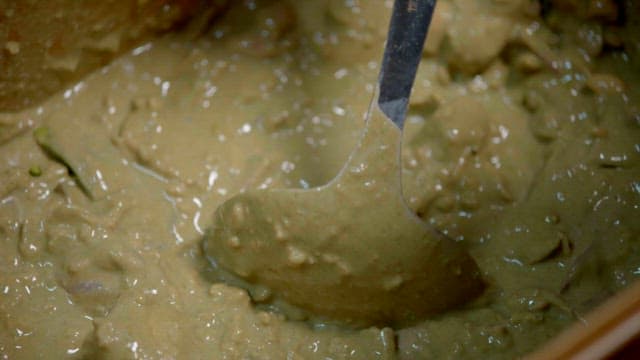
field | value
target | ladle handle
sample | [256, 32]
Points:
[407, 32]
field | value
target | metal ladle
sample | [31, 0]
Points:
[351, 251]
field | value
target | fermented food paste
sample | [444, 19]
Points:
[522, 145]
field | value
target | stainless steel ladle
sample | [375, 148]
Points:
[351, 251]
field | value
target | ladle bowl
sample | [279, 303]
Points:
[350, 251]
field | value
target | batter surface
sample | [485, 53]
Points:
[522, 145]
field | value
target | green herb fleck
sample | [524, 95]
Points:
[35, 171]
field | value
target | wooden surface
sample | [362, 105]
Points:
[611, 331]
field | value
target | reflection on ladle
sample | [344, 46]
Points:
[350, 251]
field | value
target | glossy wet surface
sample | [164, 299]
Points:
[525, 151]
